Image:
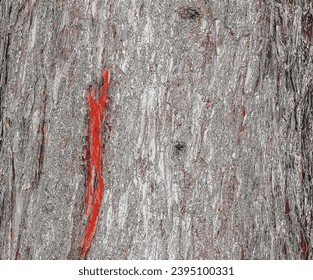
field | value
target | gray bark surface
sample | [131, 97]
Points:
[207, 146]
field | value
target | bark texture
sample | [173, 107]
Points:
[207, 146]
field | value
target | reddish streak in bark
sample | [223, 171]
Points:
[209, 102]
[42, 142]
[303, 247]
[17, 254]
[95, 182]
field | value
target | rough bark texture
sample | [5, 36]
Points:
[207, 147]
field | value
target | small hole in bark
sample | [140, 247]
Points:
[180, 147]
[189, 13]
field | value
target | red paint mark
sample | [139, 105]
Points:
[244, 113]
[242, 130]
[95, 182]
[242, 253]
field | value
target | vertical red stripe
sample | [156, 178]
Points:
[95, 182]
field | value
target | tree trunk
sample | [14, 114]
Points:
[206, 147]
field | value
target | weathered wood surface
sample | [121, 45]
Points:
[207, 140]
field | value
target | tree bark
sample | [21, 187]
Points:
[206, 142]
